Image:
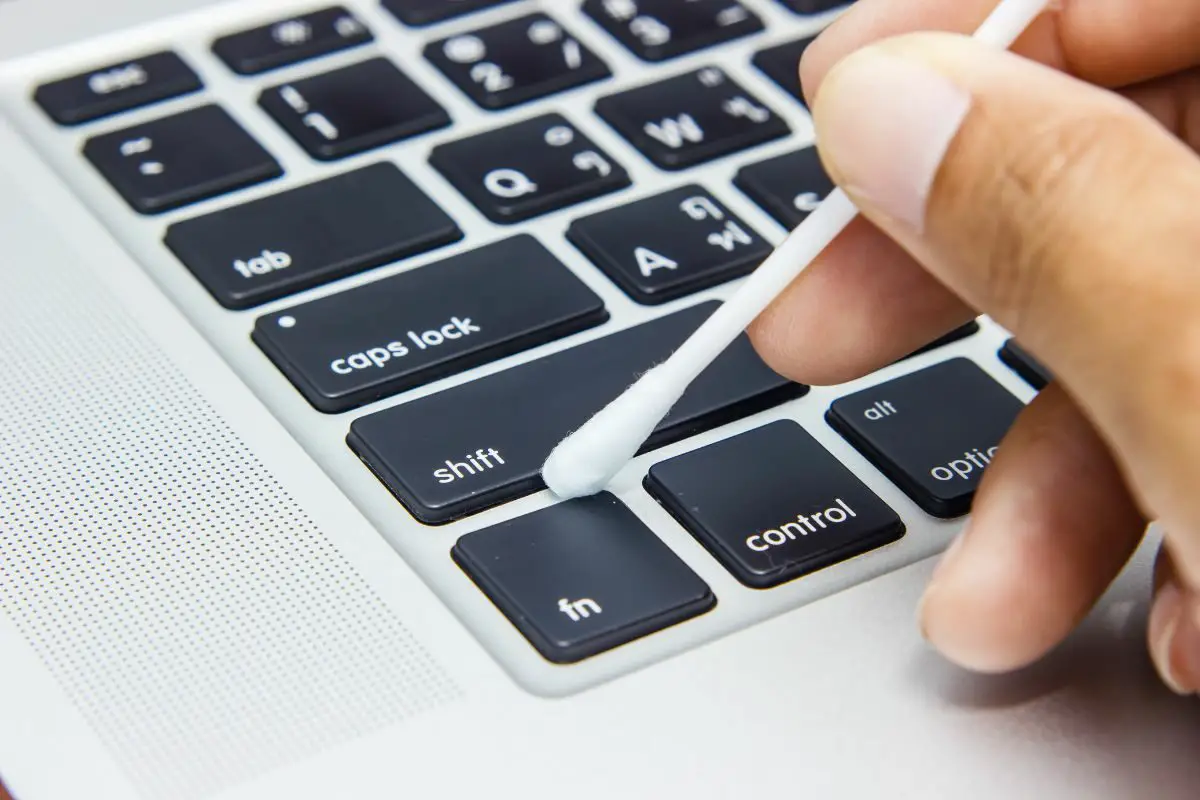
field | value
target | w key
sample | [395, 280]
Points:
[530, 168]
[690, 119]
[669, 245]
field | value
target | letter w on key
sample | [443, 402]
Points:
[675, 132]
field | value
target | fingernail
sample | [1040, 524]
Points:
[1185, 661]
[944, 567]
[1165, 618]
[884, 124]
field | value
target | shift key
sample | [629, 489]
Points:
[933, 432]
[284, 243]
[394, 334]
[483, 443]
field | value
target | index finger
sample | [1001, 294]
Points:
[1111, 43]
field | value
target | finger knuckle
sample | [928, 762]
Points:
[1019, 217]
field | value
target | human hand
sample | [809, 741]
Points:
[1062, 198]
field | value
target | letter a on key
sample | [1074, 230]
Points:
[648, 261]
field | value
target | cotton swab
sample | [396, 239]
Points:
[585, 462]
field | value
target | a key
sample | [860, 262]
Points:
[117, 88]
[789, 187]
[291, 40]
[353, 109]
[426, 12]
[581, 578]
[657, 30]
[483, 443]
[1022, 362]
[278, 245]
[382, 338]
[171, 162]
[531, 168]
[773, 504]
[933, 433]
[516, 61]
[691, 118]
[670, 244]
[814, 6]
[781, 64]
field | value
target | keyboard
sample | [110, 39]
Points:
[434, 237]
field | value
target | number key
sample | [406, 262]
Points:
[530, 168]
[657, 30]
[691, 118]
[427, 12]
[516, 61]
[669, 245]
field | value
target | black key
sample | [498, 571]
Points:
[789, 187]
[427, 323]
[782, 65]
[656, 30]
[427, 12]
[531, 168]
[956, 335]
[814, 6]
[1022, 362]
[171, 162]
[691, 118]
[933, 432]
[516, 61]
[483, 443]
[278, 245]
[291, 40]
[117, 88]
[773, 504]
[669, 245]
[353, 109]
[582, 577]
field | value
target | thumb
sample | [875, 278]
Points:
[1062, 211]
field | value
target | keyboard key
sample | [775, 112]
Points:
[814, 6]
[933, 432]
[353, 109]
[531, 168]
[373, 341]
[171, 162]
[956, 335]
[657, 30]
[1022, 362]
[117, 88]
[581, 578]
[782, 65]
[516, 61]
[773, 504]
[691, 118]
[291, 40]
[483, 443]
[789, 187]
[427, 12]
[278, 245]
[669, 245]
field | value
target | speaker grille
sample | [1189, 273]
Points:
[204, 626]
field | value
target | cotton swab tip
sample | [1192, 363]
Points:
[585, 462]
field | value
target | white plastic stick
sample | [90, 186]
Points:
[586, 461]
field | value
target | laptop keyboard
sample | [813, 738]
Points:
[495, 231]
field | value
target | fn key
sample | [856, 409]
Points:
[933, 433]
[582, 577]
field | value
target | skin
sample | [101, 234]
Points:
[1081, 147]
